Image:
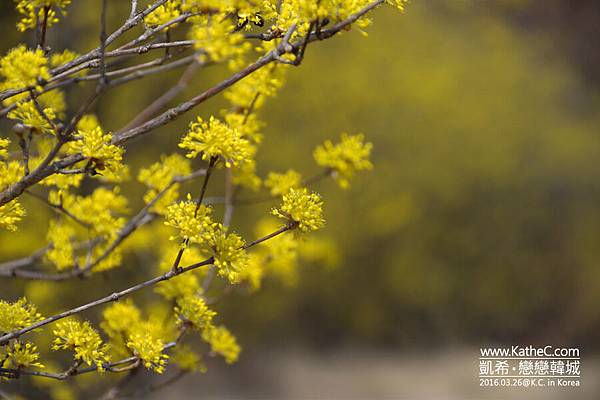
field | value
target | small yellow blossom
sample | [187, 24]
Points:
[164, 14]
[62, 58]
[11, 213]
[192, 221]
[22, 68]
[280, 184]
[280, 254]
[95, 145]
[193, 310]
[99, 210]
[28, 114]
[149, 350]
[246, 122]
[187, 359]
[17, 315]
[351, 154]
[83, 340]
[302, 208]
[215, 35]
[61, 252]
[254, 272]
[4, 143]
[230, 258]
[10, 172]
[120, 318]
[245, 175]
[23, 355]
[88, 122]
[215, 139]
[160, 175]
[222, 342]
[34, 10]
[251, 92]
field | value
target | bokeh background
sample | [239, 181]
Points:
[479, 226]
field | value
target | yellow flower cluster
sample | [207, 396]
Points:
[222, 342]
[32, 10]
[215, 36]
[4, 143]
[150, 351]
[277, 257]
[182, 285]
[128, 332]
[61, 254]
[119, 318]
[229, 254]
[252, 91]
[28, 114]
[12, 212]
[83, 340]
[62, 58]
[22, 68]
[193, 310]
[302, 208]
[95, 145]
[280, 184]
[163, 14]
[187, 359]
[193, 222]
[17, 315]
[215, 139]
[100, 210]
[351, 154]
[160, 175]
[23, 355]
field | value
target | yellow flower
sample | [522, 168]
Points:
[99, 210]
[251, 92]
[161, 174]
[193, 222]
[280, 184]
[187, 359]
[180, 286]
[164, 14]
[62, 58]
[10, 214]
[4, 143]
[32, 10]
[22, 68]
[28, 114]
[83, 340]
[351, 154]
[215, 139]
[222, 342]
[95, 145]
[215, 35]
[302, 208]
[17, 315]
[23, 355]
[61, 253]
[149, 350]
[120, 318]
[193, 310]
[229, 256]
